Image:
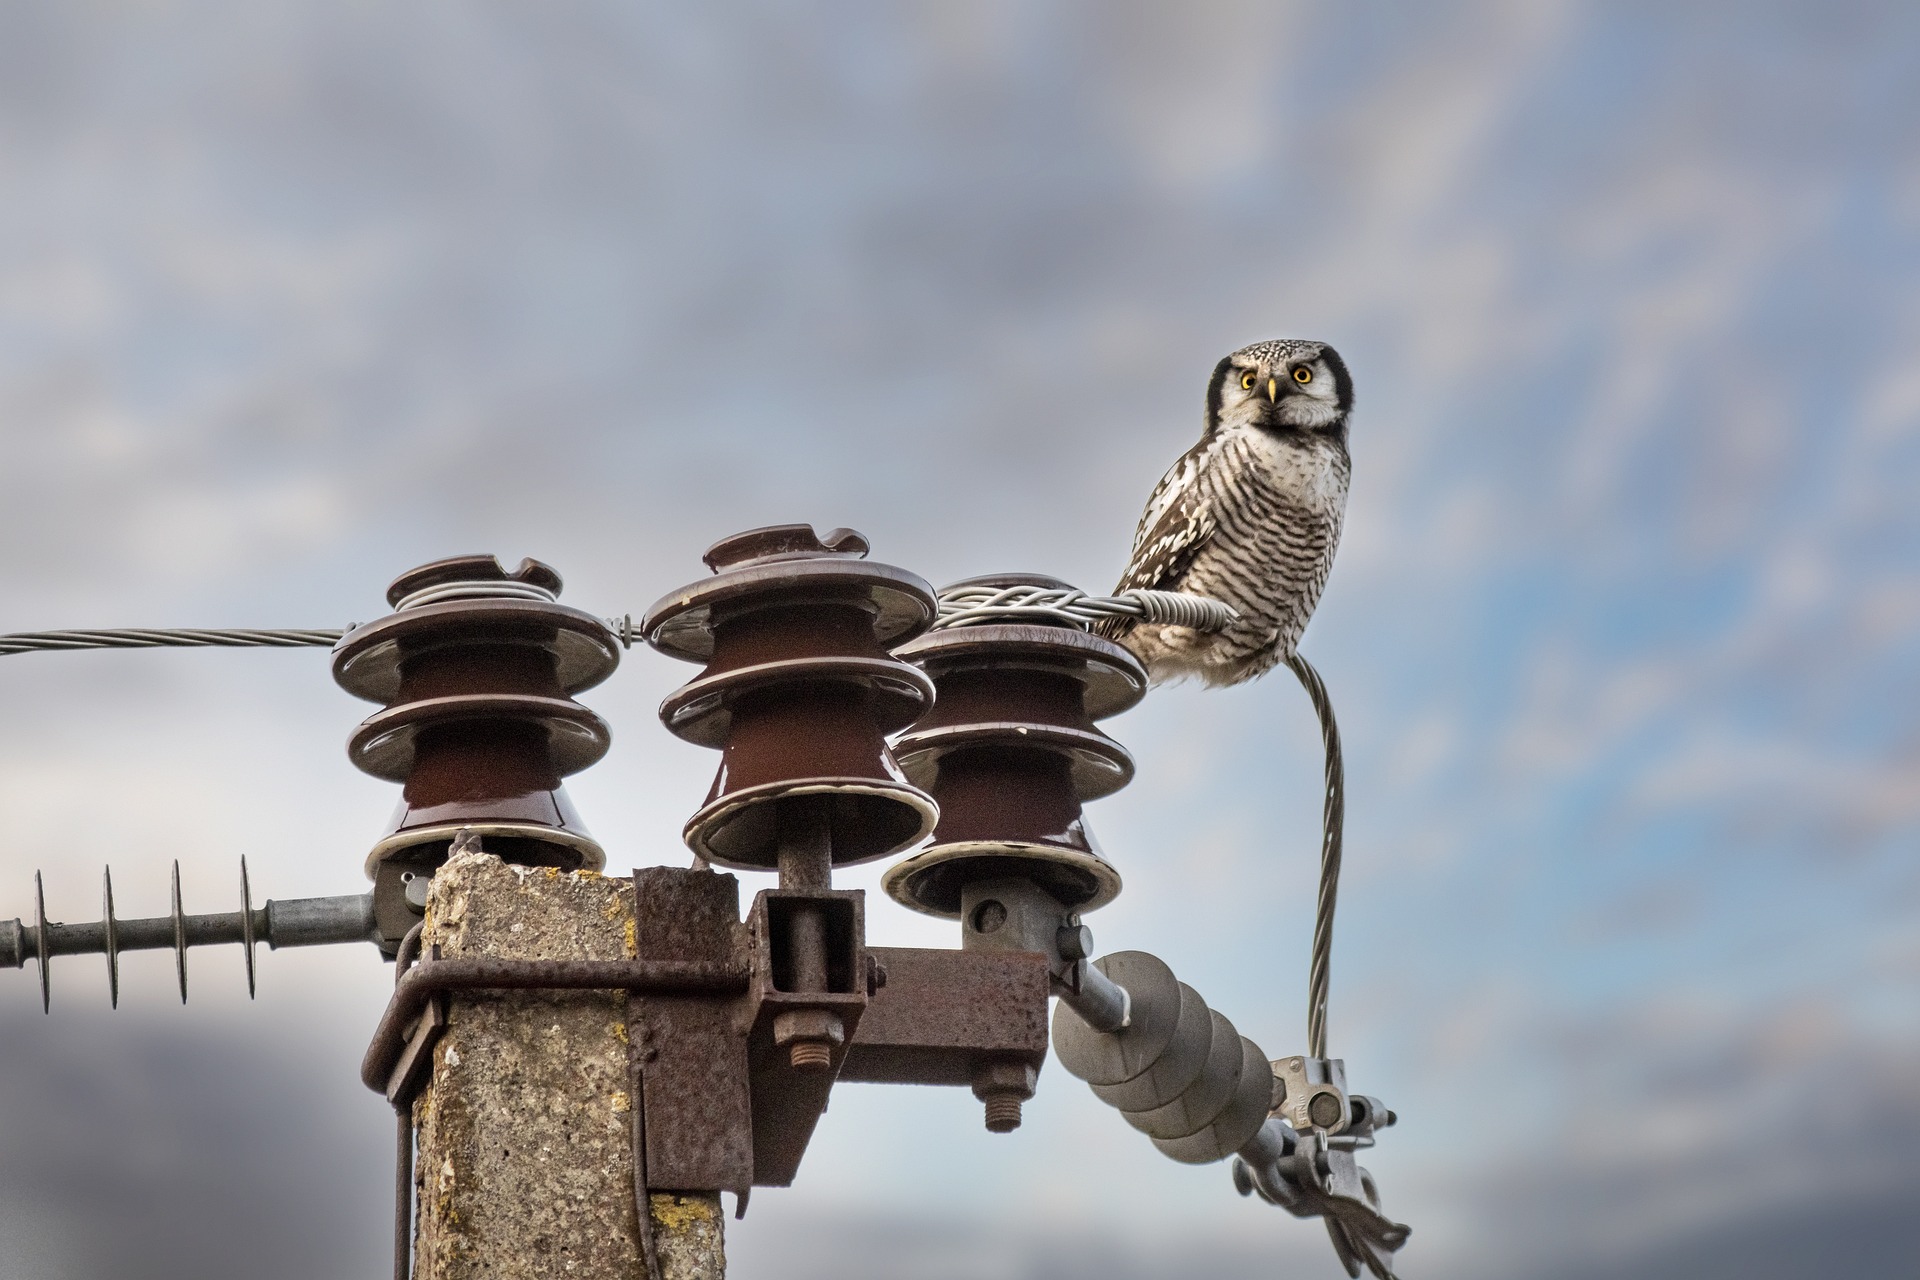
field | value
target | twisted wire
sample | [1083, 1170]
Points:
[166, 638]
[1333, 819]
[972, 606]
[276, 638]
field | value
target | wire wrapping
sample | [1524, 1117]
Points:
[972, 606]
[1333, 820]
[487, 589]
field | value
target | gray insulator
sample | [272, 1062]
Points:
[1240, 1120]
[1203, 1101]
[1176, 1069]
[1110, 1057]
[1179, 1072]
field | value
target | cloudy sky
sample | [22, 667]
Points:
[1625, 633]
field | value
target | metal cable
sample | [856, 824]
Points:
[277, 638]
[972, 606]
[1332, 822]
[165, 638]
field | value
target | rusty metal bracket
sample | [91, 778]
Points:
[431, 977]
[690, 1051]
[941, 1013]
[787, 1004]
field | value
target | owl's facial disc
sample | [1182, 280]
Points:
[1293, 394]
[1306, 394]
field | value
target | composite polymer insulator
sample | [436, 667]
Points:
[1178, 1071]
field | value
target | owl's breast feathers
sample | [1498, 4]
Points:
[1246, 518]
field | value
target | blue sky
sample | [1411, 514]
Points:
[1625, 632]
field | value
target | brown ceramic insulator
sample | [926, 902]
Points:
[799, 692]
[480, 724]
[1011, 753]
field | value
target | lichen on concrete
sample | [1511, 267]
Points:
[525, 1165]
[688, 1232]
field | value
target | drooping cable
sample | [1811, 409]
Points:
[1333, 819]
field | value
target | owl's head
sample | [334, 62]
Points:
[1286, 386]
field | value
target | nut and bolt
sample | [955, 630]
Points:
[1326, 1110]
[810, 1037]
[1002, 1085]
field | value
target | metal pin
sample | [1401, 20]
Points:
[40, 942]
[179, 933]
[113, 937]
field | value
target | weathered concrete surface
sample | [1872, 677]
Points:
[525, 1165]
[689, 1233]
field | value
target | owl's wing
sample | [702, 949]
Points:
[1176, 524]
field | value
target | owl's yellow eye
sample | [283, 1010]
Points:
[1303, 376]
[1247, 380]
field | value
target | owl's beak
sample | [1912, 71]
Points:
[1273, 391]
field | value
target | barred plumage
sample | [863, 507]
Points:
[1250, 515]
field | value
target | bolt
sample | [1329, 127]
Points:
[810, 1036]
[1003, 1110]
[1324, 1110]
[817, 1055]
[1002, 1085]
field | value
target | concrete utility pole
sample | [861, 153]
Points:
[526, 1154]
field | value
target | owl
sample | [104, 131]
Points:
[1250, 515]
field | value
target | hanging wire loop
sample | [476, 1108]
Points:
[1333, 820]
